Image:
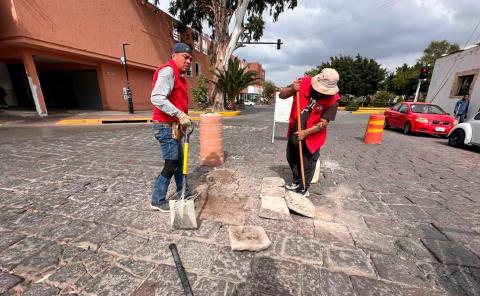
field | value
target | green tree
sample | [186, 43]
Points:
[246, 17]
[234, 79]
[435, 50]
[359, 76]
[200, 93]
[269, 90]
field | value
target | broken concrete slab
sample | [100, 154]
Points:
[272, 191]
[299, 204]
[274, 207]
[273, 181]
[248, 238]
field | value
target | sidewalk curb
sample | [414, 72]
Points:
[111, 120]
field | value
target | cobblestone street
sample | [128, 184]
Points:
[401, 218]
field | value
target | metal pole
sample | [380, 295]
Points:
[418, 90]
[129, 91]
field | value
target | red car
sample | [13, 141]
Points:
[415, 117]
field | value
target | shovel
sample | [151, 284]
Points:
[182, 212]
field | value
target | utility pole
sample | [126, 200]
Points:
[127, 91]
[418, 90]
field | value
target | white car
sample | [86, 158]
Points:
[248, 103]
[467, 133]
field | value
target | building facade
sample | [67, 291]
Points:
[62, 54]
[253, 92]
[455, 75]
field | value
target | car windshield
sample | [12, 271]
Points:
[428, 109]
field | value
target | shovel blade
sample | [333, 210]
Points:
[182, 214]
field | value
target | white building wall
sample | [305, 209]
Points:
[444, 77]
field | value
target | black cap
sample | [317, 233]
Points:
[181, 48]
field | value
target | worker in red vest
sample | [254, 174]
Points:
[319, 99]
[170, 114]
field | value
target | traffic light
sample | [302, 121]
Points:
[423, 73]
[279, 42]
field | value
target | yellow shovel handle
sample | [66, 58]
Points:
[185, 158]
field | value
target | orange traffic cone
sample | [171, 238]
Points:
[374, 132]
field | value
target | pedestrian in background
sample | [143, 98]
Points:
[461, 108]
[170, 100]
[319, 100]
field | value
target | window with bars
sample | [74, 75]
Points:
[464, 84]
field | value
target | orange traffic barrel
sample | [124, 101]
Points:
[374, 132]
[211, 139]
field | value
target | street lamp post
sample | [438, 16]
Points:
[127, 91]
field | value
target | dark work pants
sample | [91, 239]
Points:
[309, 162]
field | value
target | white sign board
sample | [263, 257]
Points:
[282, 111]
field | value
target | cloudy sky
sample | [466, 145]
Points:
[391, 31]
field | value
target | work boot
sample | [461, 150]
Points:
[162, 207]
[303, 191]
[293, 186]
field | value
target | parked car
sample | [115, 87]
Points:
[466, 133]
[248, 103]
[414, 117]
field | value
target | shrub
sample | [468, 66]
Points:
[200, 93]
[352, 105]
[383, 99]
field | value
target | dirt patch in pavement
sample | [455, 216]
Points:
[223, 209]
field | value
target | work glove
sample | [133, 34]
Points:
[184, 119]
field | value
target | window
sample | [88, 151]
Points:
[176, 34]
[403, 109]
[465, 83]
[427, 109]
[198, 69]
[204, 46]
[189, 71]
[196, 40]
[477, 117]
[396, 106]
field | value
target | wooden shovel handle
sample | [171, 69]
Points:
[299, 128]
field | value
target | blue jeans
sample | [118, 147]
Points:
[171, 150]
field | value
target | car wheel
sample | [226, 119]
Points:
[385, 124]
[406, 129]
[456, 138]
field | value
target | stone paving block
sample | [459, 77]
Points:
[47, 258]
[66, 275]
[317, 281]
[413, 249]
[427, 231]
[426, 202]
[454, 280]
[248, 238]
[206, 230]
[114, 281]
[16, 253]
[163, 281]
[387, 225]
[276, 249]
[399, 270]
[136, 267]
[449, 252]
[275, 277]
[328, 232]
[272, 191]
[234, 266]
[94, 238]
[210, 287]
[410, 213]
[369, 287]
[274, 207]
[349, 261]
[308, 250]
[70, 231]
[124, 244]
[156, 249]
[273, 182]
[41, 290]
[271, 224]
[394, 199]
[197, 256]
[299, 204]
[304, 225]
[9, 238]
[94, 262]
[374, 241]
[8, 281]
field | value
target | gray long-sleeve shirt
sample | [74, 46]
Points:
[162, 89]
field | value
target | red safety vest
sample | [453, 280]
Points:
[316, 140]
[178, 96]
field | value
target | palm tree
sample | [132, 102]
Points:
[236, 78]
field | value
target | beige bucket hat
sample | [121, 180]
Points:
[326, 81]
